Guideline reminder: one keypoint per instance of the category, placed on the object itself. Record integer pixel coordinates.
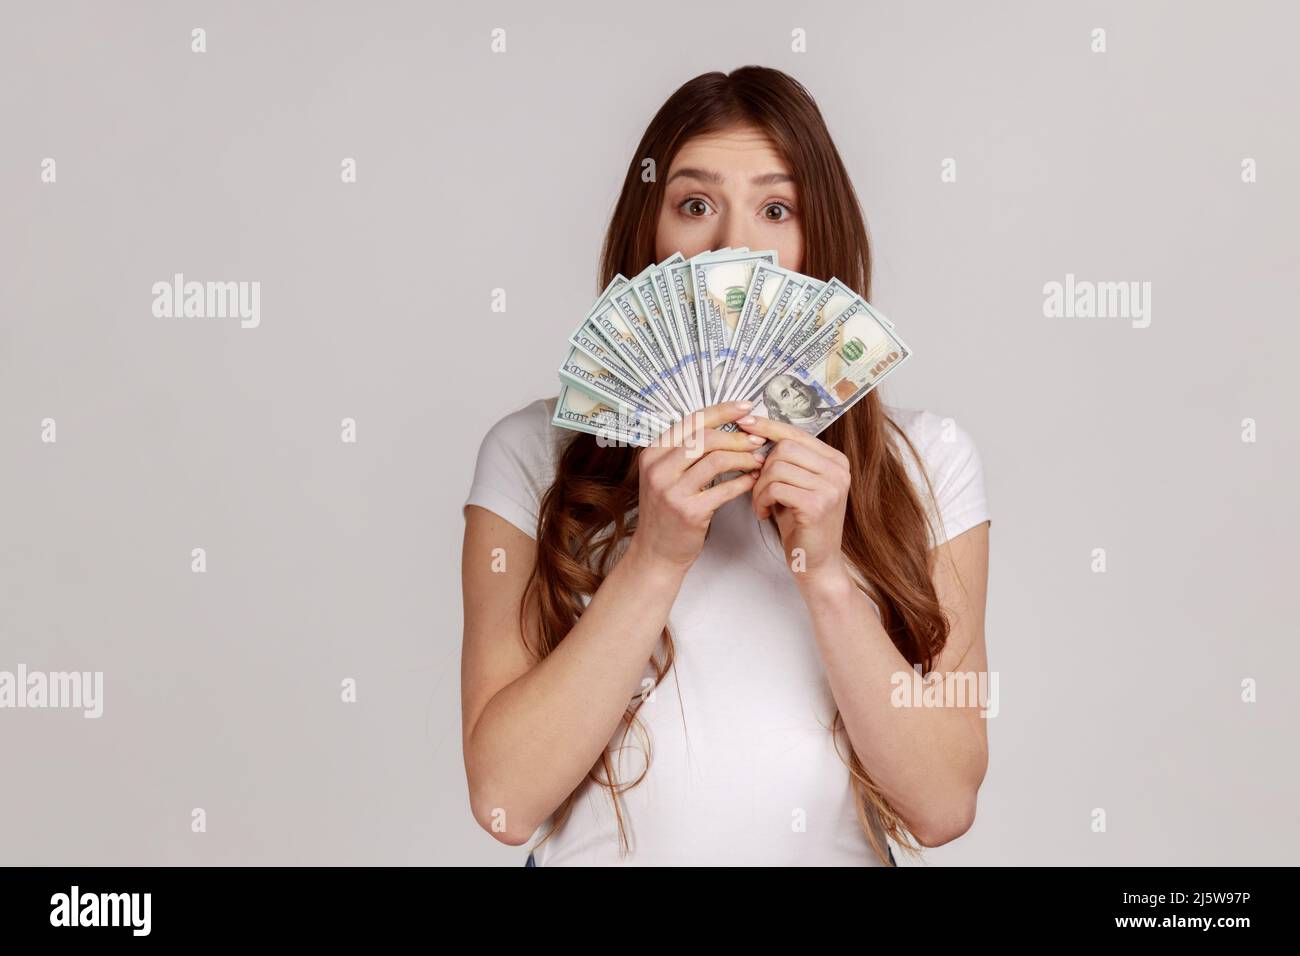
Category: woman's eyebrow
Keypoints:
(715, 178)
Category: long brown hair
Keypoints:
(589, 510)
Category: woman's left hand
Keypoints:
(805, 483)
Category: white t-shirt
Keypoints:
(753, 777)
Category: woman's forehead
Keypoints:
(744, 149)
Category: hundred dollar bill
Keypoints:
(681, 300)
(719, 287)
(631, 309)
(598, 350)
(830, 300)
(581, 411)
(769, 352)
(656, 301)
(608, 323)
(589, 340)
(751, 361)
(594, 378)
(769, 293)
(851, 355)
(616, 283)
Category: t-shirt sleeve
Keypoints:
(961, 493)
(515, 466)
(956, 473)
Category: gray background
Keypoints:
(477, 171)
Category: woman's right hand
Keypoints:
(675, 507)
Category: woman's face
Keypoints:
(730, 189)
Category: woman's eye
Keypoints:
(695, 207)
(776, 212)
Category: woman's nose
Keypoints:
(734, 233)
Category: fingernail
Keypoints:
(756, 439)
(747, 420)
(758, 456)
(744, 406)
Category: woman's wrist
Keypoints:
(652, 569)
(830, 583)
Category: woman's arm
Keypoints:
(531, 733)
(533, 730)
(928, 761)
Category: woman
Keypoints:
(785, 603)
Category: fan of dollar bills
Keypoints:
(727, 325)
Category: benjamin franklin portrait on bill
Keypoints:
(790, 400)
